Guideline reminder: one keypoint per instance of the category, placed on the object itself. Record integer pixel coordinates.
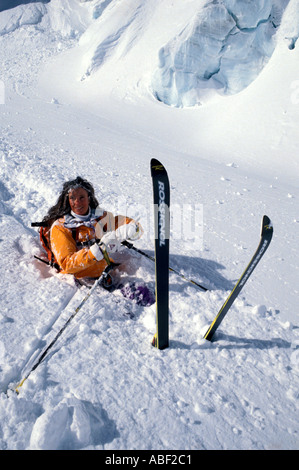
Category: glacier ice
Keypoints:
(249, 13)
(225, 47)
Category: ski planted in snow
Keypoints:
(161, 194)
(266, 236)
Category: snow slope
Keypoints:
(79, 100)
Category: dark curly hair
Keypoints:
(62, 206)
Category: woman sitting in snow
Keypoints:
(82, 233)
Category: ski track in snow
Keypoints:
(103, 386)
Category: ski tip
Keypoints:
(155, 162)
(156, 167)
(267, 226)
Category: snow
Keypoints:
(78, 99)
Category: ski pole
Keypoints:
(108, 268)
(132, 247)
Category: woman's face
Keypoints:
(79, 201)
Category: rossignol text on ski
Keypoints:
(162, 212)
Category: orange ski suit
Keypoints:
(71, 241)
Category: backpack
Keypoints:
(44, 236)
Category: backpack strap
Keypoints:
(44, 235)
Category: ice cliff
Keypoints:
(225, 46)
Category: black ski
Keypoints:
(162, 231)
(266, 236)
